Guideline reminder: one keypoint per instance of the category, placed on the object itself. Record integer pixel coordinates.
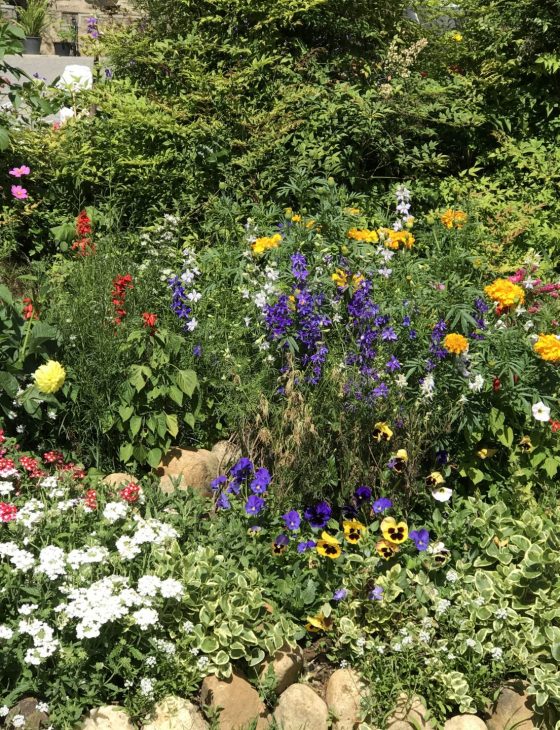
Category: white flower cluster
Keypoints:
(44, 643)
(31, 513)
(6, 488)
(403, 207)
(115, 511)
(148, 531)
(22, 560)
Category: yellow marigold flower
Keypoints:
(310, 224)
(382, 432)
(453, 218)
(363, 234)
(393, 531)
(435, 479)
(352, 211)
(353, 531)
(318, 623)
(505, 293)
(548, 347)
(339, 278)
(296, 219)
(265, 242)
(386, 549)
(328, 546)
(458, 37)
(396, 239)
(456, 344)
(49, 377)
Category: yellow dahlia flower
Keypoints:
(548, 347)
(505, 292)
(455, 343)
(49, 377)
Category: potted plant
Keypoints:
(66, 45)
(33, 18)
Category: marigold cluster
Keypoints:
(121, 285)
(396, 239)
(455, 343)
(505, 293)
(266, 242)
(364, 235)
(548, 348)
(453, 218)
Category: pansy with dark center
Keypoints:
(353, 531)
(306, 545)
(362, 494)
(319, 514)
(280, 544)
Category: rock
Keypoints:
(27, 708)
(286, 664)
(513, 710)
(343, 695)
(119, 479)
(194, 468)
(299, 707)
(109, 717)
(465, 722)
(239, 702)
(226, 453)
(409, 711)
(175, 713)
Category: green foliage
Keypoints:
(33, 17)
(24, 344)
(153, 399)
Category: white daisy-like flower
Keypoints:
(541, 412)
(442, 493)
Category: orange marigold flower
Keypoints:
(363, 234)
(453, 218)
(548, 348)
(505, 293)
(456, 344)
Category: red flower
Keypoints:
(53, 457)
(554, 426)
(150, 321)
(120, 287)
(8, 512)
(28, 309)
(83, 245)
(130, 493)
(496, 384)
(90, 499)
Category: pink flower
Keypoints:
(19, 193)
(19, 171)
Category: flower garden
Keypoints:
(279, 350)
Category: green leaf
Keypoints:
(6, 294)
(187, 381)
(555, 651)
(8, 383)
(172, 424)
(135, 425)
(4, 138)
(136, 378)
(550, 466)
(125, 452)
(154, 457)
(209, 645)
(175, 394)
(220, 658)
(189, 419)
(125, 412)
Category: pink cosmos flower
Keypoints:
(19, 193)
(19, 171)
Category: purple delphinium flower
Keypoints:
(218, 481)
(393, 364)
(299, 267)
(340, 594)
(362, 494)
(380, 391)
(261, 481)
(254, 505)
(406, 321)
(389, 335)
(412, 334)
(376, 594)
(319, 514)
(278, 317)
(421, 538)
(223, 502)
(306, 545)
(197, 350)
(381, 504)
(292, 519)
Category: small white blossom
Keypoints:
(26, 609)
(4, 710)
(541, 412)
(442, 606)
(501, 614)
(451, 576)
(114, 511)
(470, 643)
(145, 617)
(5, 632)
(147, 686)
(496, 653)
(18, 721)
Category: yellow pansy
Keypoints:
(353, 530)
(382, 432)
(386, 549)
(394, 531)
(328, 546)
